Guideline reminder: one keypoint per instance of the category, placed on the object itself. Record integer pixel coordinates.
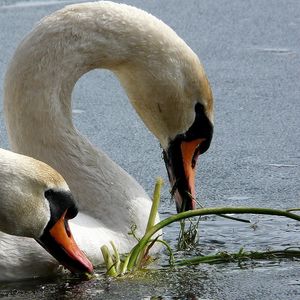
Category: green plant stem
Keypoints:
(169, 249)
(155, 203)
(293, 209)
(241, 256)
(117, 257)
(201, 212)
(124, 267)
(152, 215)
(111, 270)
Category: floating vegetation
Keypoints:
(188, 237)
(242, 255)
(139, 256)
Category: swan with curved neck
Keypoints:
(165, 83)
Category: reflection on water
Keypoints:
(220, 281)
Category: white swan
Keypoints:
(165, 83)
(36, 203)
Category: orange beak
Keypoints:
(59, 242)
(180, 159)
(189, 157)
(181, 156)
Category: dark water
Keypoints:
(251, 53)
(275, 278)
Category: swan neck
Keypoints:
(152, 63)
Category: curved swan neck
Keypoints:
(160, 73)
(151, 61)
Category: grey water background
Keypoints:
(251, 54)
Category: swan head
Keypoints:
(173, 97)
(36, 202)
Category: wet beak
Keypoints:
(180, 159)
(59, 242)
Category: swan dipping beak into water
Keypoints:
(162, 76)
(165, 83)
(36, 202)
